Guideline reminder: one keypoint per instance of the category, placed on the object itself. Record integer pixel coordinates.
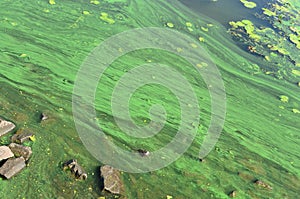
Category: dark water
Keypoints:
(224, 11)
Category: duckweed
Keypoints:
(95, 2)
(188, 24)
(284, 98)
(295, 110)
(104, 17)
(86, 12)
(204, 29)
(201, 39)
(52, 2)
(170, 25)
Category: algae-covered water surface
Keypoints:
(46, 45)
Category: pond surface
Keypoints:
(43, 46)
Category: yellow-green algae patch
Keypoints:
(105, 17)
(284, 98)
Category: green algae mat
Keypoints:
(44, 44)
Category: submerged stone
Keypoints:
(232, 194)
(5, 153)
(5, 127)
(263, 184)
(112, 179)
(143, 152)
(20, 150)
(43, 117)
(21, 137)
(76, 169)
(12, 166)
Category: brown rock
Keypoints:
(12, 166)
(21, 136)
(5, 127)
(5, 153)
(112, 179)
(263, 184)
(20, 150)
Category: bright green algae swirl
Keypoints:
(42, 47)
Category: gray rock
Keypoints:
(112, 179)
(232, 194)
(143, 152)
(76, 169)
(5, 153)
(21, 137)
(12, 166)
(20, 150)
(5, 127)
(43, 117)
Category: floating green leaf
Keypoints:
(283, 51)
(249, 28)
(296, 72)
(247, 22)
(268, 12)
(254, 36)
(294, 38)
(273, 48)
(248, 4)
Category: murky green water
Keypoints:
(42, 48)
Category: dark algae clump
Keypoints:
(44, 43)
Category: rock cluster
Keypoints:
(13, 157)
(76, 169)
